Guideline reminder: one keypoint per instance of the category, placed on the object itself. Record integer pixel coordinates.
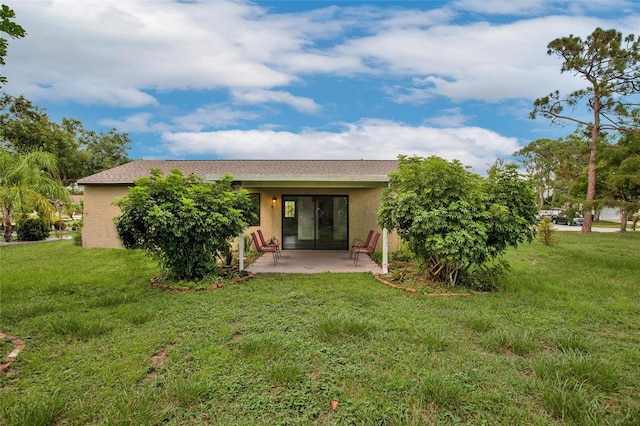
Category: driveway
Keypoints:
(593, 228)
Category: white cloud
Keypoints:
(474, 61)
(133, 123)
(260, 96)
(542, 7)
(205, 117)
(210, 116)
(367, 139)
(88, 90)
(142, 45)
(228, 62)
(503, 7)
(451, 117)
(118, 52)
(580, 7)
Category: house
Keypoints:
(306, 204)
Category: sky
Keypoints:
(222, 79)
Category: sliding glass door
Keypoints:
(315, 222)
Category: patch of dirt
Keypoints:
(226, 278)
(407, 274)
(160, 358)
(408, 277)
(16, 345)
(527, 374)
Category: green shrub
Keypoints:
(546, 231)
(32, 230)
(183, 222)
(484, 277)
(247, 243)
(403, 254)
(76, 227)
(77, 238)
(454, 220)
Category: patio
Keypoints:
(313, 261)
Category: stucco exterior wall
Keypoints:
(270, 222)
(98, 230)
(363, 209)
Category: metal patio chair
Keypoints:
(265, 249)
(358, 243)
(368, 250)
(273, 242)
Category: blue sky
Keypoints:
(304, 79)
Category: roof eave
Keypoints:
(306, 181)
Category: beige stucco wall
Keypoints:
(98, 229)
(99, 212)
(363, 209)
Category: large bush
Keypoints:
(32, 229)
(456, 221)
(183, 222)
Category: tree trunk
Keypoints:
(623, 221)
(591, 182)
(591, 189)
(8, 230)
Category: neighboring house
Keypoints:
(306, 204)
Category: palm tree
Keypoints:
(28, 182)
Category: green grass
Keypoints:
(559, 343)
(612, 224)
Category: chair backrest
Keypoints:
(368, 240)
(264, 242)
(255, 242)
(373, 245)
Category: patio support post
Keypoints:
(385, 251)
(241, 251)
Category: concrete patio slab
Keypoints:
(313, 262)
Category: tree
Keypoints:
(455, 221)
(555, 166)
(620, 170)
(611, 67)
(106, 150)
(24, 127)
(183, 222)
(93, 151)
(10, 28)
(28, 182)
(540, 162)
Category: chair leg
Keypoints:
(355, 257)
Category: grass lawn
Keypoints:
(558, 344)
(611, 224)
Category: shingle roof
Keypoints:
(352, 170)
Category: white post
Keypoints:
(241, 251)
(240, 244)
(385, 251)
